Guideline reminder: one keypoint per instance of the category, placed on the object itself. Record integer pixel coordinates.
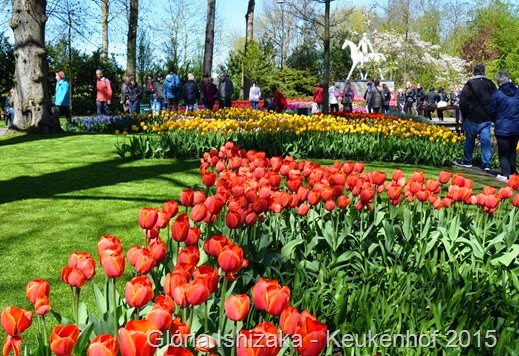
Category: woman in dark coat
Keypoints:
(504, 111)
(191, 93)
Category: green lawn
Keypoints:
(61, 194)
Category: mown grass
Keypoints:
(61, 194)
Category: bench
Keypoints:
(145, 108)
(455, 108)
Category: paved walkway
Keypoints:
(3, 130)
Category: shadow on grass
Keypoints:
(16, 138)
(93, 175)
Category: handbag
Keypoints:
(315, 108)
(441, 104)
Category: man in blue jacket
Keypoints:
(62, 97)
(172, 86)
(474, 106)
(504, 111)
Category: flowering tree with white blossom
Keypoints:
(419, 61)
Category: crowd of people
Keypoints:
(480, 103)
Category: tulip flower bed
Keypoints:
(373, 137)
(358, 253)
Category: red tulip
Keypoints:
(179, 331)
(158, 251)
(148, 218)
(192, 237)
(109, 242)
(139, 292)
(73, 276)
(289, 320)
(398, 177)
(209, 275)
(103, 345)
(444, 177)
(138, 338)
(343, 201)
(63, 339)
(198, 197)
(209, 178)
(205, 343)
(232, 220)
(303, 209)
(170, 208)
(313, 335)
(162, 220)
(180, 228)
(160, 316)
(231, 259)
(358, 167)
(199, 212)
(237, 307)
(189, 255)
(269, 296)
(187, 197)
(263, 340)
(505, 192)
(515, 201)
(433, 186)
(458, 179)
(172, 281)
(113, 263)
(379, 177)
(197, 292)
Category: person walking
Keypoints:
(209, 92)
(172, 86)
(377, 97)
(124, 98)
(62, 96)
(430, 101)
(474, 106)
(504, 111)
(134, 94)
(254, 96)
(333, 97)
(158, 95)
(191, 94)
(442, 100)
(225, 91)
(347, 97)
(104, 94)
(279, 100)
(318, 97)
(9, 108)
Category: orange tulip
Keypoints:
(379, 177)
(172, 281)
(199, 212)
(15, 320)
(113, 263)
(73, 276)
(84, 262)
(458, 179)
(192, 237)
(270, 297)
(513, 181)
(398, 177)
(196, 292)
(139, 292)
(161, 313)
(189, 255)
(109, 242)
(288, 320)
(313, 334)
(237, 307)
(138, 338)
(177, 351)
(103, 345)
(505, 192)
(141, 259)
(232, 220)
(63, 339)
(263, 340)
(214, 204)
(303, 209)
(162, 220)
(37, 288)
(209, 275)
(205, 343)
(358, 167)
(148, 218)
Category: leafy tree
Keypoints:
(6, 64)
(306, 57)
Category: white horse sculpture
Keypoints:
(360, 59)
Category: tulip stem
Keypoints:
(206, 316)
(222, 304)
(45, 337)
(235, 336)
(114, 307)
(191, 314)
(136, 315)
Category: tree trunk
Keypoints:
(32, 102)
(209, 37)
(131, 52)
(326, 69)
(249, 19)
(104, 26)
